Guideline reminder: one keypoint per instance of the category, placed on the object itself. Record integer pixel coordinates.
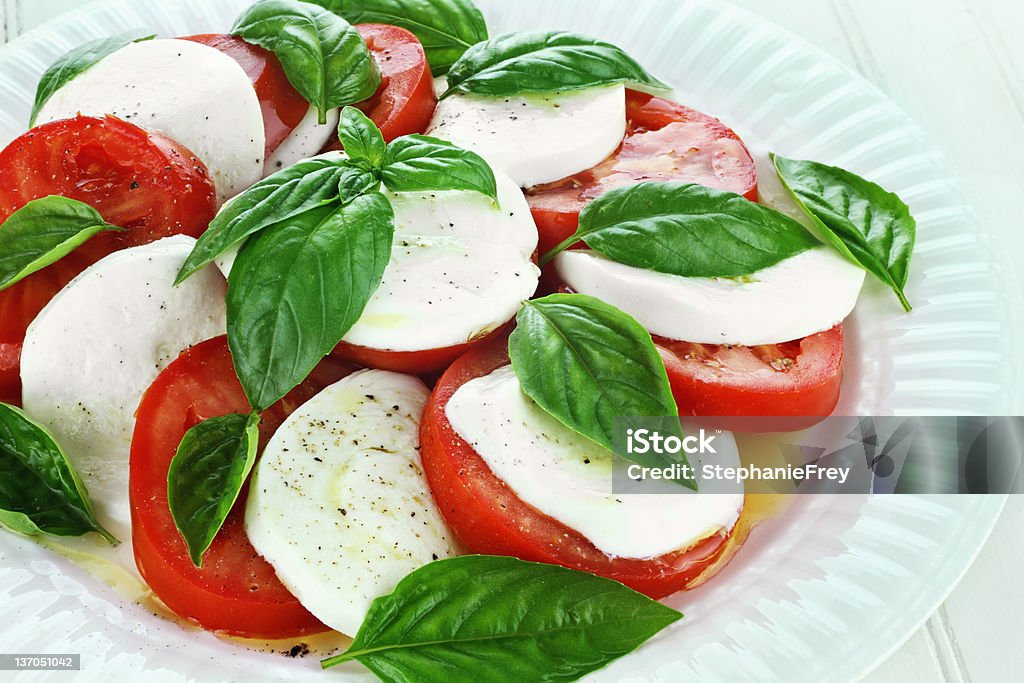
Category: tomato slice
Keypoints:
(405, 100)
(236, 591)
(795, 383)
(487, 516)
(282, 105)
(136, 179)
(665, 141)
(429, 362)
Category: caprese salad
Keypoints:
(334, 317)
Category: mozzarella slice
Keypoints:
(460, 268)
(569, 478)
(100, 342)
(308, 138)
(192, 93)
(339, 504)
(799, 296)
(536, 138)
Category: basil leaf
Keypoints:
(298, 287)
(419, 163)
(75, 62)
(586, 363)
(324, 58)
(39, 490)
(488, 618)
(42, 232)
(206, 475)
(361, 137)
(289, 192)
(544, 62)
(356, 181)
(869, 225)
(446, 28)
(688, 230)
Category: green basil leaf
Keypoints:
(289, 192)
(42, 232)
(488, 618)
(77, 61)
(298, 287)
(356, 181)
(206, 475)
(415, 163)
(39, 489)
(544, 62)
(587, 363)
(688, 230)
(361, 137)
(324, 58)
(446, 28)
(869, 225)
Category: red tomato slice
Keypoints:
(19, 305)
(282, 105)
(665, 141)
(405, 100)
(138, 180)
(427, 362)
(797, 381)
(487, 517)
(236, 591)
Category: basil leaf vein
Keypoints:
(206, 475)
(44, 231)
(75, 62)
(446, 28)
(481, 617)
(323, 56)
(587, 363)
(421, 163)
(306, 185)
(39, 489)
(688, 230)
(554, 61)
(297, 287)
(868, 224)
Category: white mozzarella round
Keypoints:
(339, 504)
(799, 296)
(192, 93)
(308, 138)
(460, 268)
(569, 478)
(93, 351)
(536, 138)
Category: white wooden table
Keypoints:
(956, 66)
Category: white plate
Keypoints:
(822, 593)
